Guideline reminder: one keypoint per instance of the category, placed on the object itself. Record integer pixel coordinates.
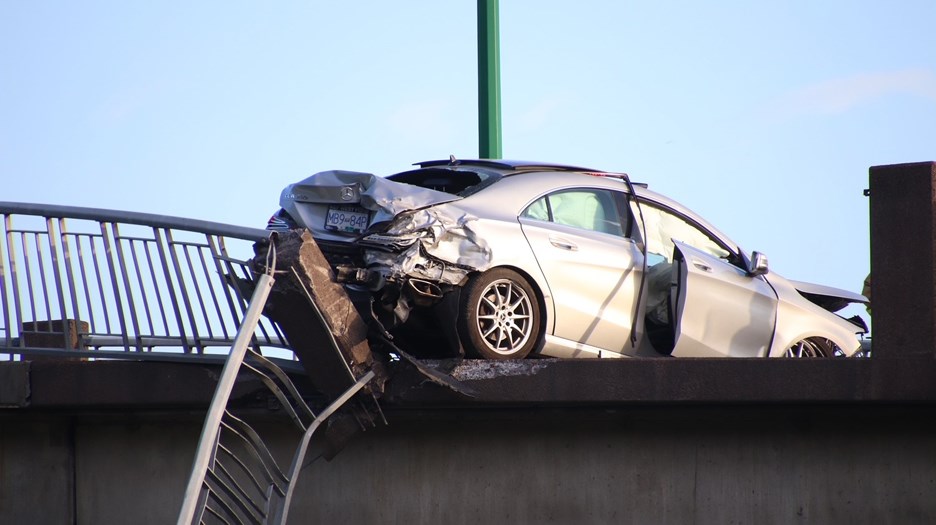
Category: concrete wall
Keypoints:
(635, 465)
(37, 468)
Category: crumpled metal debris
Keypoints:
(426, 239)
(372, 192)
(444, 246)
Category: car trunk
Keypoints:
(342, 205)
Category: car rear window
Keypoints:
(457, 182)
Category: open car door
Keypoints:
(720, 309)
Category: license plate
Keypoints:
(350, 219)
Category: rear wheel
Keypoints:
(499, 316)
(814, 347)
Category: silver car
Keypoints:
(503, 259)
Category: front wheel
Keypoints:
(499, 316)
(814, 347)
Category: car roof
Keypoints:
(505, 164)
(507, 168)
(598, 179)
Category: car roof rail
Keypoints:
(522, 166)
(612, 175)
(504, 164)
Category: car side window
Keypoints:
(539, 210)
(663, 226)
(587, 209)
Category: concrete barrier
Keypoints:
(677, 464)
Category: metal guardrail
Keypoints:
(103, 283)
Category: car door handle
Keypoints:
(702, 266)
(562, 243)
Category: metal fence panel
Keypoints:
(92, 282)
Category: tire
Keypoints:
(499, 316)
(813, 347)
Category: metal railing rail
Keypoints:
(104, 283)
(234, 477)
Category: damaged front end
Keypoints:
(833, 299)
(416, 251)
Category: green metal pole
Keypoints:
(489, 110)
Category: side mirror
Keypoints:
(758, 264)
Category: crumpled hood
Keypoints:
(828, 297)
(384, 197)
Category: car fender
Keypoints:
(799, 319)
(509, 248)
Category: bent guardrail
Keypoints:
(104, 283)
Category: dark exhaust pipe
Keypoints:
(424, 293)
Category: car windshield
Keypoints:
(457, 182)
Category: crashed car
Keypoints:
(502, 259)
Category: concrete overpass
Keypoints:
(631, 441)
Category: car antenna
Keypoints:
(643, 250)
(453, 161)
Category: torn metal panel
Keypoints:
(414, 263)
(828, 297)
(385, 197)
(443, 231)
(424, 238)
(434, 374)
(439, 243)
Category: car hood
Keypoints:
(384, 197)
(828, 297)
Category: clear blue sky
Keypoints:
(762, 116)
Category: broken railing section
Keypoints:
(234, 476)
(320, 322)
(311, 308)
